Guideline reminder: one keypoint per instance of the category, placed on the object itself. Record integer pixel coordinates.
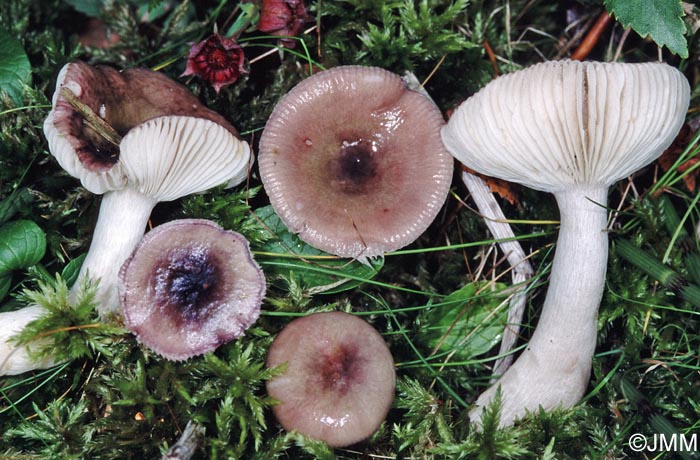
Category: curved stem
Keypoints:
(120, 226)
(522, 270)
(553, 370)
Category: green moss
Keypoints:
(113, 399)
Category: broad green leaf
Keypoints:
(14, 66)
(311, 268)
(659, 19)
(22, 244)
(466, 322)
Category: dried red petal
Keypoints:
(282, 17)
(217, 60)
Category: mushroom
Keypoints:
(573, 129)
(339, 379)
(172, 147)
(190, 286)
(352, 161)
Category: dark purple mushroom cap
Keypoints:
(190, 286)
(353, 162)
(122, 100)
(339, 382)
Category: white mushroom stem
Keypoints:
(553, 370)
(522, 269)
(120, 226)
(15, 360)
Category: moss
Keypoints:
(114, 399)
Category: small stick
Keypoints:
(94, 121)
(492, 58)
(592, 37)
(522, 269)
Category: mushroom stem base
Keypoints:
(553, 370)
(16, 359)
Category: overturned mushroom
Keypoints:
(190, 286)
(339, 381)
(572, 129)
(172, 146)
(352, 161)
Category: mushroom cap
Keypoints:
(353, 162)
(568, 123)
(173, 156)
(78, 149)
(123, 100)
(190, 286)
(339, 381)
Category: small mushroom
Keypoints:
(339, 381)
(172, 146)
(190, 286)
(573, 129)
(352, 161)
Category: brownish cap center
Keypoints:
(354, 166)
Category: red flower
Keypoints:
(282, 17)
(217, 60)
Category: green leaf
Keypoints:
(71, 270)
(14, 66)
(312, 268)
(22, 244)
(659, 19)
(466, 322)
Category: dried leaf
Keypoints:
(505, 190)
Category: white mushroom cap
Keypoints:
(172, 156)
(561, 123)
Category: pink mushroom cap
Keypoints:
(190, 286)
(339, 381)
(353, 162)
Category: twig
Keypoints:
(592, 37)
(522, 269)
(492, 57)
(94, 121)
